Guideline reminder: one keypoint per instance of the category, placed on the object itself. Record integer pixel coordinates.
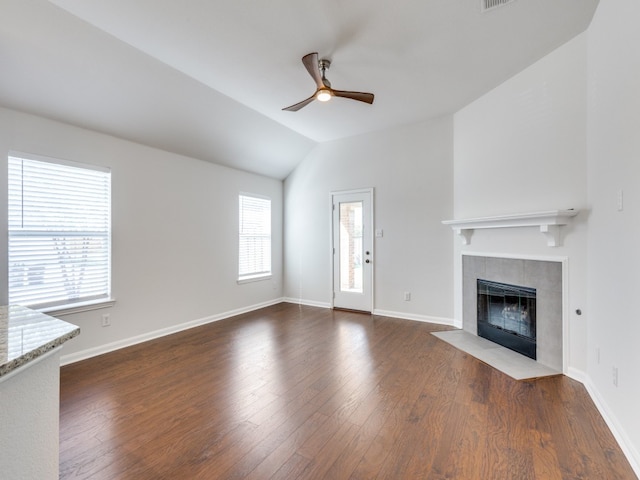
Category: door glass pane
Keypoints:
(351, 247)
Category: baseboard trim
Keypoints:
(128, 342)
(418, 318)
(632, 454)
(577, 375)
(382, 313)
(308, 303)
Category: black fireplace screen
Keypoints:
(507, 316)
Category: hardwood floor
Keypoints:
(292, 392)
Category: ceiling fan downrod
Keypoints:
(324, 65)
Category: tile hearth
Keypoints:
(507, 361)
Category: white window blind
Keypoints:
(59, 233)
(255, 237)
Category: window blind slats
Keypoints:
(59, 233)
(254, 236)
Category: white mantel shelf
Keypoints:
(548, 222)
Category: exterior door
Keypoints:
(352, 250)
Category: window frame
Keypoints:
(254, 276)
(70, 305)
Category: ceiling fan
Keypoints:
(317, 69)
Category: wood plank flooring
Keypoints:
(291, 392)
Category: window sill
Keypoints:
(63, 310)
(254, 278)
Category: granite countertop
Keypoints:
(26, 335)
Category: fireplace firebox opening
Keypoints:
(507, 316)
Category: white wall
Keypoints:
(522, 148)
(410, 169)
(561, 134)
(174, 232)
(614, 236)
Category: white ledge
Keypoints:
(548, 222)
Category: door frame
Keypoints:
(366, 191)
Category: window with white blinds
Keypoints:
(59, 233)
(254, 237)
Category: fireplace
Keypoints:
(543, 275)
(507, 315)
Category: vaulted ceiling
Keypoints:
(209, 78)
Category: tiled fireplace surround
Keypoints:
(545, 276)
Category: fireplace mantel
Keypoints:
(548, 222)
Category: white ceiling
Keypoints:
(208, 78)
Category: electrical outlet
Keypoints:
(620, 200)
(614, 372)
(106, 320)
(407, 296)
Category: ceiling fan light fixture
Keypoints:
(323, 95)
(317, 69)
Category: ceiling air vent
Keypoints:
(487, 5)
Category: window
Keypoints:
(59, 233)
(254, 237)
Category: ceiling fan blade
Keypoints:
(360, 96)
(310, 62)
(298, 106)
